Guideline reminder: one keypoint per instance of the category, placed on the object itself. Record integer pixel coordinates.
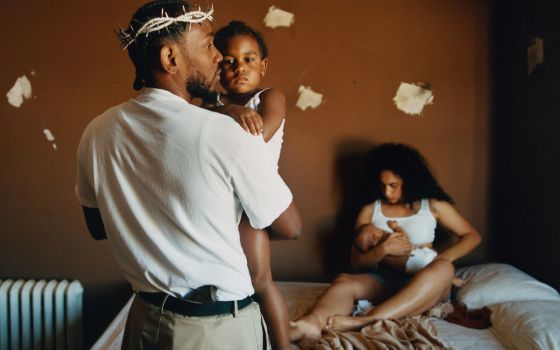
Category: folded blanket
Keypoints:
(415, 332)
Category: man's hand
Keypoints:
(249, 120)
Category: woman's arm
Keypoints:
(448, 217)
(272, 109)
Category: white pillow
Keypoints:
(489, 284)
(532, 324)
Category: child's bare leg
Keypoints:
(338, 299)
(425, 289)
(256, 245)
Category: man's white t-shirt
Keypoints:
(171, 181)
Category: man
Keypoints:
(166, 182)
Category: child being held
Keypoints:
(260, 112)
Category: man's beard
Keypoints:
(197, 87)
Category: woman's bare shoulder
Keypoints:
(438, 206)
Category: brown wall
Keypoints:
(356, 53)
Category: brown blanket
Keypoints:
(415, 332)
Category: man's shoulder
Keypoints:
(225, 128)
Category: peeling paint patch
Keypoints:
(50, 137)
(411, 98)
(308, 98)
(276, 17)
(535, 54)
(20, 90)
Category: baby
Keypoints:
(419, 257)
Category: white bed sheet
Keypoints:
(299, 297)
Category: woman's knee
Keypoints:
(344, 279)
(442, 268)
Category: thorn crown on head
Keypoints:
(155, 24)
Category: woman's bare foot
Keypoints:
(306, 326)
(458, 282)
(348, 323)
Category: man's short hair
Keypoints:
(144, 50)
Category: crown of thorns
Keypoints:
(130, 35)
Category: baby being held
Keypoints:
(419, 257)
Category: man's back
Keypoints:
(170, 179)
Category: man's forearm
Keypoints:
(94, 223)
(287, 226)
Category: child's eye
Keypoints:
(250, 59)
(228, 61)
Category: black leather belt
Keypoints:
(189, 308)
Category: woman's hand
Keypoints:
(397, 244)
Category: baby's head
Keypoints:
(245, 57)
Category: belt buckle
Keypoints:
(202, 295)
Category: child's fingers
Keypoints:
(252, 126)
(244, 125)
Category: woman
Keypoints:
(395, 232)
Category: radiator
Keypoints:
(40, 314)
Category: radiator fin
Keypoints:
(40, 314)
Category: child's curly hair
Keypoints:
(235, 28)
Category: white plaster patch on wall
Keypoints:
(308, 98)
(21, 90)
(535, 54)
(50, 137)
(411, 98)
(276, 17)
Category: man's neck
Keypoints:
(173, 86)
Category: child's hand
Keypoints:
(249, 120)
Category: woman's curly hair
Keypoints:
(405, 161)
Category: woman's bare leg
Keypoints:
(256, 245)
(425, 289)
(338, 299)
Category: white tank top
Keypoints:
(420, 227)
(275, 142)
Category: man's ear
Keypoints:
(264, 64)
(168, 55)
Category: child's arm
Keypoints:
(249, 120)
(272, 110)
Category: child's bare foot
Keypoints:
(305, 327)
(348, 323)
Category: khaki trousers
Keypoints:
(147, 327)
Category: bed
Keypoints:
(525, 315)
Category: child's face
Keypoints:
(242, 66)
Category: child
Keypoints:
(243, 66)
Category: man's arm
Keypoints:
(287, 225)
(94, 223)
